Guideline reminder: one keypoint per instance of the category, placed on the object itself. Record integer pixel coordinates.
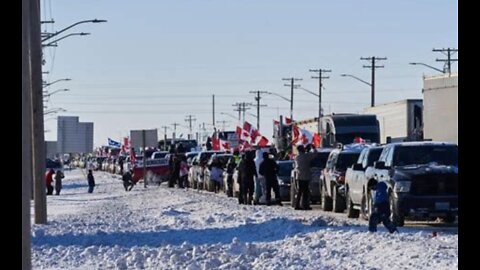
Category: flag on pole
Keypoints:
(288, 121)
(113, 143)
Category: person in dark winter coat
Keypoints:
(381, 209)
(230, 171)
(127, 181)
(91, 181)
(248, 171)
(269, 170)
(58, 182)
(48, 181)
(304, 176)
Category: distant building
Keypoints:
(51, 148)
(74, 136)
(440, 107)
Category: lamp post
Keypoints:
(56, 91)
(54, 110)
(77, 23)
(280, 96)
(415, 63)
(53, 43)
(367, 83)
(60, 80)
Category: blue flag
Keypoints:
(114, 143)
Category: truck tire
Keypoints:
(326, 200)
(338, 206)
(398, 219)
(351, 212)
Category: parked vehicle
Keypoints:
(159, 154)
(316, 167)
(422, 180)
(358, 178)
(223, 159)
(333, 176)
(285, 168)
(195, 173)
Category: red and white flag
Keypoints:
(275, 122)
(224, 145)
(242, 134)
(262, 141)
(215, 144)
(317, 140)
(288, 121)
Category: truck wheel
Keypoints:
(326, 200)
(351, 212)
(398, 219)
(337, 201)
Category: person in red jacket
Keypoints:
(49, 181)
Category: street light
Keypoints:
(231, 115)
(280, 96)
(53, 43)
(56, 91)
(367, 83)
(65, 29)
(439, 70)
(54, 110)
(48, 84)
(348, 75)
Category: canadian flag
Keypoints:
(224, 145)
(262, 141)
(276, 123)
(288, 121)
(215, 144)
(301, 136)
(242, 134)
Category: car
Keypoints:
(223, 159)
(285, 168)
(195, 173)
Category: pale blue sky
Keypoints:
(155, 61)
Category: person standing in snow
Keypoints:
(248, 172)
(216, 172)
(230, 171)
(304, 175)
(128, 180)
(183, 174)
(259, 179)
(269, 170)
(91, 181)
(58, 182)
(49, 180)
(381, 210)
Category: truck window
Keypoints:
(425, 154)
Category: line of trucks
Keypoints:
(422, 176)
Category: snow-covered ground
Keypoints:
(165, 228)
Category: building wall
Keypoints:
(440, 111)
(51, 148)
(74, 136)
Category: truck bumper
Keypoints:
(425, 206)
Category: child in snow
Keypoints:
(91, 181)
(381, 210)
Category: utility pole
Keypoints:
(293, 86)
(27, 178)
(189, 120)
(373, 58)
(242, 108)
(223, 122)
(319, 71)
(213, 109)
(174, 131)
(448, 62)
(257, 98)
(38, 138)
(165, 137)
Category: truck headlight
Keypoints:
(402, 186)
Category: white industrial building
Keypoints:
(440, 107)
(74, 136)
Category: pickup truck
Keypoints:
(358, 178)
(332, 182)
(422, 180)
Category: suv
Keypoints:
(358, 178)
(332, 182)
(422, 179)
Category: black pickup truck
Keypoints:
(422, 178)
